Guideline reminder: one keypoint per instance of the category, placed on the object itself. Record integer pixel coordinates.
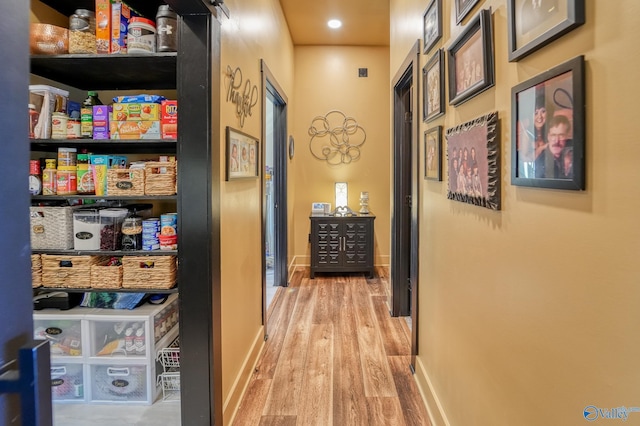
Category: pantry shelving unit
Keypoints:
(195, 73)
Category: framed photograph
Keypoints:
(433, 153)
(548, 128)
(242, 155)
(473, 156)
(470, 60)
(432, 22)
(463, 7)
(535, 23)
(433, 87)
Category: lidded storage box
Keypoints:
(51, 228)
(86, 229)
(111, 228)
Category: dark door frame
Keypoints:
(404, 223)
(270, 87)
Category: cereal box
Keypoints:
(103, 26)
(169, 119)
(136, 112)
(120, 15)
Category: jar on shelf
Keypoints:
(49, 177)
(132, 233)
(141, 36)
(82, 32)
(35, 182)
(34, 116)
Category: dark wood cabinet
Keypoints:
(342, 244)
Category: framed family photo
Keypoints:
(241, 155)
(548, 128)
(433, 153)
(463, 7)
(471, 59)
(433, 87)
(532, 24)
(432, 25)
(473, 155)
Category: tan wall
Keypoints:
(256, 30)
(326, 79)
(529, 315)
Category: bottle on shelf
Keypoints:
(86, 114)
(34, 116)
(35, 182)
(49, 177)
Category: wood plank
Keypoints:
(323, 312)
(349, 403)
(278, 325)
(287, 379)
(276, 421)
(395, 339)
(413, 408)
(385, 411)
(378, 381)
(250, 409)
(317, 399)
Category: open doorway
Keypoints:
(274, 190)
(404, 224)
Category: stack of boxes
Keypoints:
(112, 21)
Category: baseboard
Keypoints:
(437, 416)
(241, 383)
(302, 261)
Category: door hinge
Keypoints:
(408, 200)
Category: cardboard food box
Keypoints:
(101, 121)
(120, 15)
(169, 119)
(135, 129)
(103, 26)
(136, 112)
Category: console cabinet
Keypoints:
(342, 244)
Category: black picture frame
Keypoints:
(474, 178)
(240, 164)
(463, 7)
(431, 25)
(533, 25)
(433, 87)
(433, 153)
(550, 153)
(471, 60)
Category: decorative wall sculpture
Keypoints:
(336, 138)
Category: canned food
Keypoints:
(67, 157)
(59, 125)
(73, 129)
(66, 180)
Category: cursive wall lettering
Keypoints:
(245, 97)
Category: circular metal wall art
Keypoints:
(336, 138)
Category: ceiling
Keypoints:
(364, 22)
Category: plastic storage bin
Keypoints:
(110, 228)
(123, 383)
(86, 229)
(47, 100)
(67, 382)
(64, 335)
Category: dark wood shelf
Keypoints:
(108, 146)
(72, 252)
(146, 8)
(109, 72)
(107, 290)
(103, 197)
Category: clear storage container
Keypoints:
(111, 228)
(86, 229)
(82, 32)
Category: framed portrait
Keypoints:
(535, 23)
(432, 23)
(433, 87)
(473, 156)
(548, 128)
(471, 59)
(433, 153)
(242, 155)
(463, 7)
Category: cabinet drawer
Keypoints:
(67, 382)
(118, 338)
(119, 383)
(64, 335)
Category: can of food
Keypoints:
(73, 129)
(141, 36)
(67, 157)
(149, 247)
(66, 180)
(59, 125)
(169, 224)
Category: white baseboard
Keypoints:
(437, 416)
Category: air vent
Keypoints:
(363, 72)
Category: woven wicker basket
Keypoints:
(51, 228)
(36, 271)
(125, 181)
(68, 271)
(107, 277)
(160, 178)
(151, 272)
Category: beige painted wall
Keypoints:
(256, 30)
(326, 79)
(529, 315)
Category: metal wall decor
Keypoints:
(336, 138)
(241, 93)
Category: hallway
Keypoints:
(334, 357)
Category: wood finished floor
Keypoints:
(334, 357)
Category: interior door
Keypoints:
(274, 179)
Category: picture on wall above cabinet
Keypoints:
(535, 23)
(242, 155)
(463, 7)
(470, 60)
(433, 153)
(432, 24)
(433, 87)
(548, 128)
(473, 155)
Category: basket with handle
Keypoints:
(106, 276)
(125, 181)
(68, 271)
(36, 271)
(149, 272)
(160, 178)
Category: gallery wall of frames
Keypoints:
(547, 117)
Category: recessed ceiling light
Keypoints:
(334, 23)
